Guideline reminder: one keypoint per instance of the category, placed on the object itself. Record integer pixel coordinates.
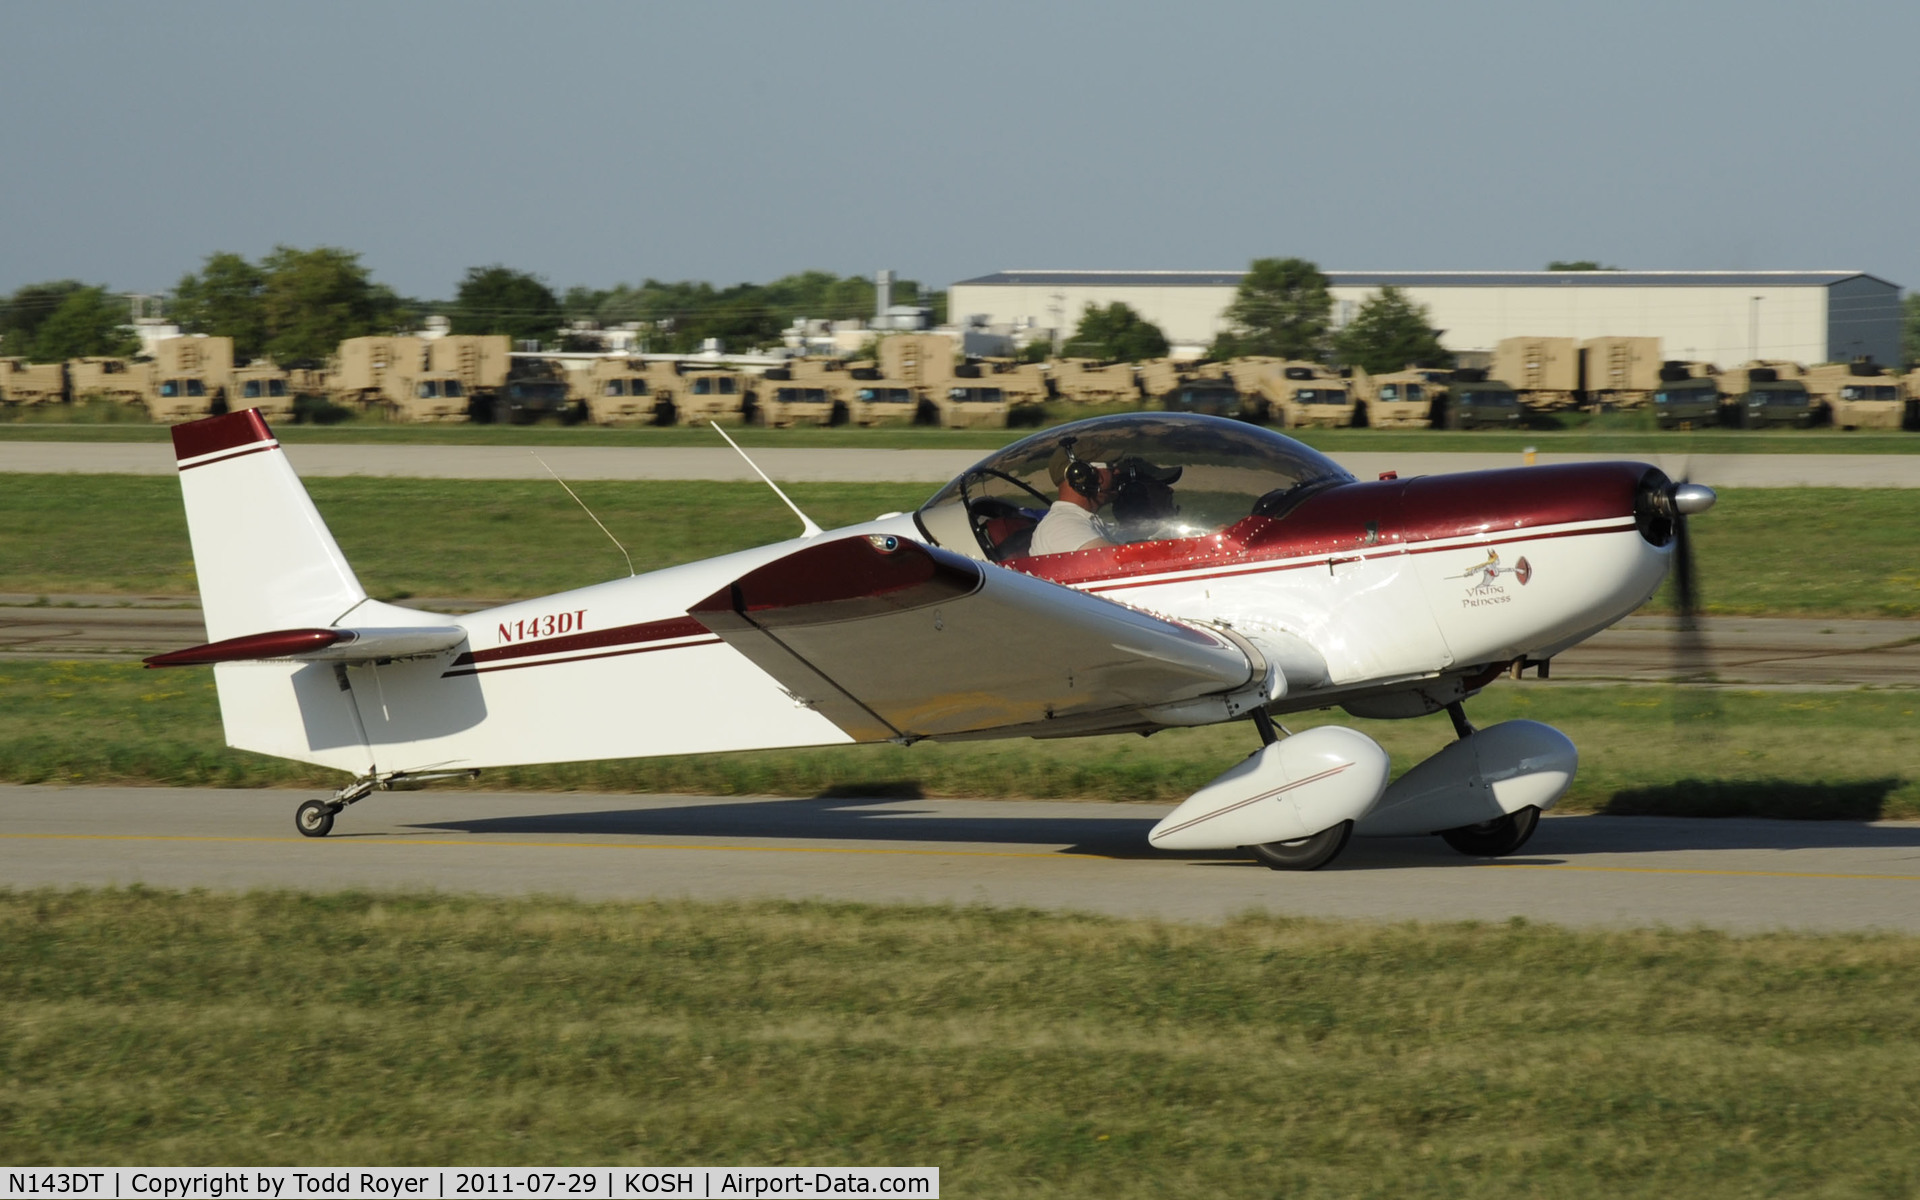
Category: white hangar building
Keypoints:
(1724, 317)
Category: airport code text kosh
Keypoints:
(450, 1183)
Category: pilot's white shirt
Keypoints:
(1066, 527)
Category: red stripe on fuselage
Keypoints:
(621, 635)
(1363, 520)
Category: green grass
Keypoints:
(1848, 754)
(1021, 1053)
(1788, 552)
(1629, 433)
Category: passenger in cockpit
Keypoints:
(1143, 507)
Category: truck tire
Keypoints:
(664, 413)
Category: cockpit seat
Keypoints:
(1006, 528)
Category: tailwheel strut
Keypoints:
(314, 818)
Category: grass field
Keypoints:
(1021, 1053)
(1628, 433)
(1848, 754)
(1790, 552)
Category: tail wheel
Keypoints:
(1307, 853)
(314, 818)
(1491, 839)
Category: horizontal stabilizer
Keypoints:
(317, 645)
(889, 638)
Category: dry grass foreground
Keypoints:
(1021, 1053)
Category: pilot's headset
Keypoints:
(1078, 474)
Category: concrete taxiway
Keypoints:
(1739, 875)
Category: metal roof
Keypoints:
(1435, 278)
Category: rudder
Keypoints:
(264, 558)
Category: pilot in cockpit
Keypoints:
(1073, 521)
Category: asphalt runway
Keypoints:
(1743, 651)
(1738, 875)
(923, 466)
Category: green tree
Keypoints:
(312, 300)
(22, 313)
(1389, 333)
(1580, 264)
(1115, 332)
(1283, 309)
(89, 321)
(226, 299)
(498, 299)
(1910, 330)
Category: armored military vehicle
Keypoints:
(22, 382)
(1090, 381)
(1543, 372)
(1474, 401)
(1401, 399)
(1688, 396)
(1202, 387)
(374, 372)
(805, 391)
(1766, 393)
(1620, 372)
(616, 390)
(115, 379)
(700, 391)
(262, 385)
(190, 378)
(1857, 395)
(535, 387)
(1294, 395)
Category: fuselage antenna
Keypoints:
(589, 512)
(807, 528)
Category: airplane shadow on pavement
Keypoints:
(900, 819)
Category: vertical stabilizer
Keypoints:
(263, 555)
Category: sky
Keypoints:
(599, 143)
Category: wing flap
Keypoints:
(317, 645)
(891, 638)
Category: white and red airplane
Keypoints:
(1252, 577)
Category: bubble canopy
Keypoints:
(1174, 475)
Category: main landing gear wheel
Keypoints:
(314, 818)
(1307, 853)
(1491, 839)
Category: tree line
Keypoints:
(295, 306)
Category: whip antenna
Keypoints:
(807, 528)
(589, 512)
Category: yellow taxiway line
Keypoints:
(1054, 855)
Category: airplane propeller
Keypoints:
(1676, 502)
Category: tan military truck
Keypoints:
(191, 377)
(618, 390)
(1857, 395)
(1765, 393)
(1294, 395)
(880, 398)
(22, 382)
(982, 392)
(1091, 381)
(1911, 383)
(1399, 399)
(480, 362)
(805, 391)
(262, 385)
(1543, 372)
(117, 379)
(373, 372)
(1620, 372)
(703, 392)
(1202, 387)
